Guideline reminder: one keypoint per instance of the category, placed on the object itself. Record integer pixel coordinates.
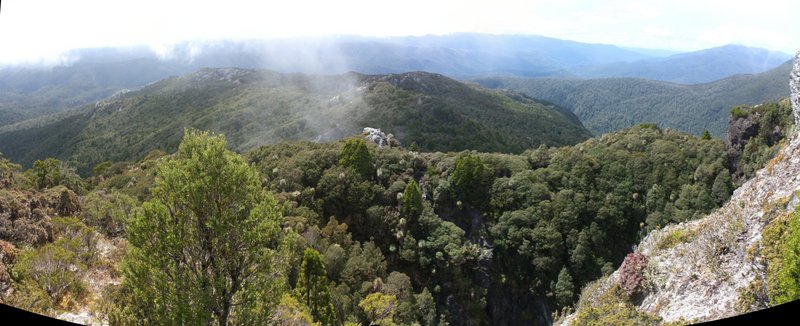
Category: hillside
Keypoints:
(740, 258)
(694, 67)
(253, 108)
(609, 104)
(29, 92)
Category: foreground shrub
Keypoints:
(632, 275)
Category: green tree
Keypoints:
(208, 248)
(52, 172)
(706, 135)
(722, 187)
(412, 200)
(46, 173)
(468, 178)
(380, 308)
(312, 287)
(564, 288)
(291, 312)
(356, 156)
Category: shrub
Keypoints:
(380, 308)
(612, 310)
(52, 269)
(785, 279)
(76, 238)
(109, 212)
(632, 275)
(740, 112)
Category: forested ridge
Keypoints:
(609, 104)
(256, 107)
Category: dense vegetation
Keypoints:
(499, 228)
(258, 107)
(427, 238)
(609, 104)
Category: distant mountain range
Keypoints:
(253, 108)
(693, 67)
(90, 75)
(609, 104)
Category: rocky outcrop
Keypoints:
(794, 86)
(740, 130)
(379, 137)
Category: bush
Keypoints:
(786, 277)
(632, 275)
(76, 238)
(380, 308)
(612, 310)
(52, 172)
(109, 211)
(740, 112)
(52, 269)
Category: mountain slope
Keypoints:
(724, 264)
(695, 67)
(610, 104)
(257, 107)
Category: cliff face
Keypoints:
(715, 267)
(794, 86)
(740, 130)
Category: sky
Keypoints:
(41, 30)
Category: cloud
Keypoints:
(31, 30)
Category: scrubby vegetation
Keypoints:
(611, 309)
(782, 250)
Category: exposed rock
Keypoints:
(229, 75)
(794, 86)
(379, 137)
(740, 130)
(84, 317)
(8, 255)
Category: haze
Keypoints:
(40, 31)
